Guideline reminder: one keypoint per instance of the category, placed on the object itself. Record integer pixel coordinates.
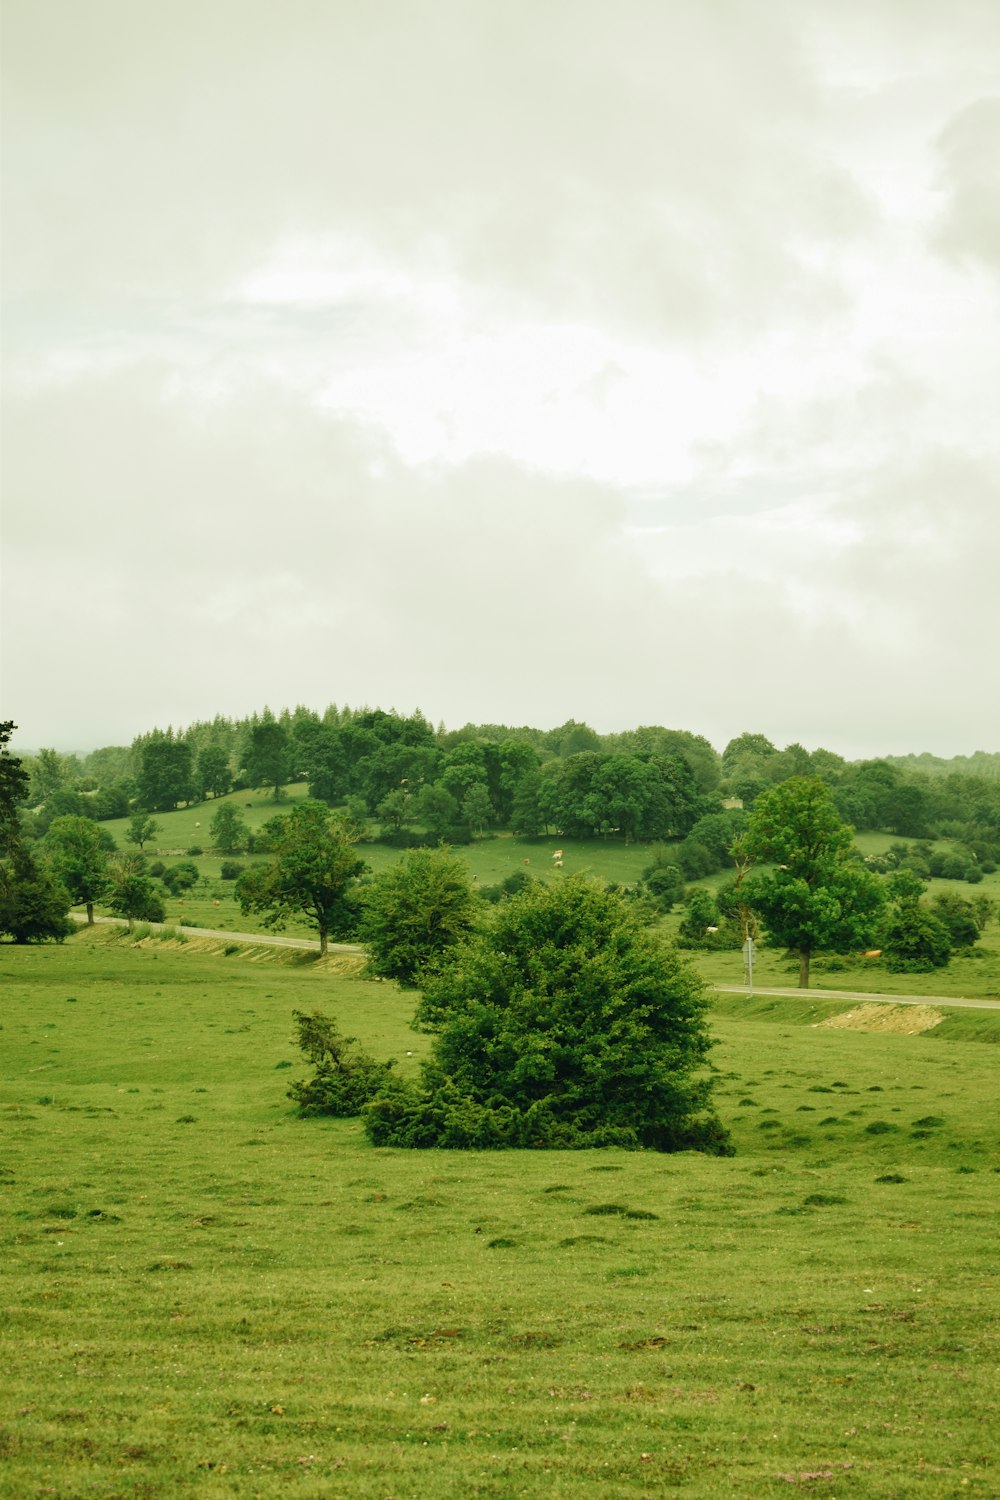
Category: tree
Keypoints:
(345, 1077)
(415, 911)
(312, 872)
(477, 809)
(33, 903)
(213, 773)
(267, 758)
(141, 828)
(164, 772)
(131, 893)
(816, 896)
(564, 1023)
(79, 860)
(915, 940)
(228, 829)
(14, 781)
(48, 775)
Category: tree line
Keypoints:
(410, 781)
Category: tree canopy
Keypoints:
(565, 1023)
(415, 911)
(313, 869)
(815, 896)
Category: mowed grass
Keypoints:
(204, 1295)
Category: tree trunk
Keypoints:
(803, 968)
(322, 942)
(90, 913)
(131, 923)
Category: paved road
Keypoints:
(862, 999)
(273, 939)
(312, 946)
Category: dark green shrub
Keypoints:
(195, 849)
(565, 1024)
(345, 1077)
(180, 877)
(231, 869)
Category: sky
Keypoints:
(513, 360)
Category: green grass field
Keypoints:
(206, 1296)
(212, 902)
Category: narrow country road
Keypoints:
(311, 945)
(270, 938)
(859, 997)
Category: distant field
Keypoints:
(206, 1296)
(212, 902)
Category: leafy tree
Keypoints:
(79, 860)
(141, 828)
(344, 1076)
(312, 872)
(131, 893)
(213, 773)
(959, 916)
(180, 877)
(111, 801)
(228, 829)
(665, 884)
(164, 772)
(415, 911)
(48, 775)
(396, 809)
(915, 940)
(477, 809)
(14, 782)
(267, 757)
(816, 896)
(437, 809)
(565, 1023)
(700, 921)
(33, 903)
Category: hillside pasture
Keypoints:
(207, 1296)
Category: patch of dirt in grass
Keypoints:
(908, 1019)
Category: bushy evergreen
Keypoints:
(566, 1023)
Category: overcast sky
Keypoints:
(627, 360)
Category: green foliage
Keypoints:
(180, 877)
(312, 872)
(816, 897)
(512, 885)
(164, 772)
(344, 1076)
(213, 773)
(131, 893)
(959, 917)
(228, 829)
(415, 911)
(230, 869)
(79, 859)
(915, 940)
(267, 756)
(33, 903)
(141, 828)
(566, 1023)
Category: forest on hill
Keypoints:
(416, 783)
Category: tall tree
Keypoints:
(164, 772)
(267, 757)
(816, 896)
(229, 829)
(312, 872)
(213, 773)
(79, 860)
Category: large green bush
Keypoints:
(566, 1023)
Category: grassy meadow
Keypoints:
(204, 1295)
(212, 903)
